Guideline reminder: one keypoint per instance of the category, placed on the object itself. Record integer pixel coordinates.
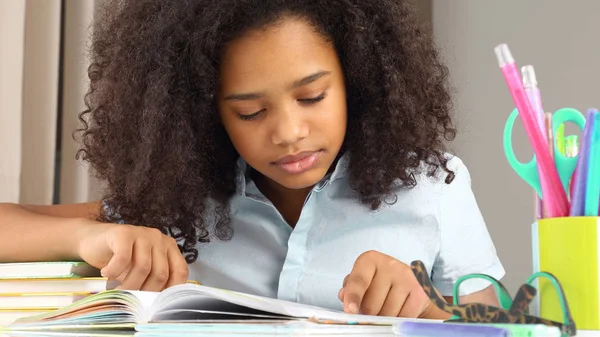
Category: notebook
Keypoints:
(87, 333)
(56, 285)
(58, 269)
(186, 303)
(264, 328)
(46, 301)
(8, 316)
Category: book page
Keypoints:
(199, 297)
(129, 306)
(202, 315)
(190, 305)
(146, 300)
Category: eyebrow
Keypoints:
(296, 84)
(309, 79)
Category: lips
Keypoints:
(295, 157)
(298, 163)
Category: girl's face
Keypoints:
(283, 103)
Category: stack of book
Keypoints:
(33, 288)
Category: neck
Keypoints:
(289, 202)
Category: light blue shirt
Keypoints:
(437, 223)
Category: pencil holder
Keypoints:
(568, 248)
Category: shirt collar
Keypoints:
(243, 178)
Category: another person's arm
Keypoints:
(43, 233)
(138, 257)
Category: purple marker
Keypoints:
(422, 329)
(579, 179)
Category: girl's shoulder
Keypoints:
(441, 182)
(432, 194)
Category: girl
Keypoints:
(285, 148)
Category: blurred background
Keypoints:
(43, 80)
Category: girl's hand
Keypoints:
(381, 285)
(140, 258)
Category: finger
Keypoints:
(394, 301)
(120, 262)
(178, 267)
(376, 294)
(415, 304)
(357, 284)
(345, 281)
(159, 272)
(123, 275)
(141, 266)
(341, 292)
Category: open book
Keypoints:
(186, 303)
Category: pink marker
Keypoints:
(554, 196)
(535, 99)
(530, 84)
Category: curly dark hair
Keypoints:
(151, 127)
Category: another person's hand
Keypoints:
(381, 285)
(139, 258)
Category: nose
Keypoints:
(288, 128)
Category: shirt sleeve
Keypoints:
(465, 244)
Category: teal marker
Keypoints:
(592, 193)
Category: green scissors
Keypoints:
(564, 165)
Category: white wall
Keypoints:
(560, 38)
(12, 37)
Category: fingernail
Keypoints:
(353, 308)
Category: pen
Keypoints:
(554, 196)
(535, 99)
(410, 329)
(550, 140)
(560, 139)
(530, 85)
(593, 174)
(571, 151)
(549, 135)
(579, 179)
(571, 146)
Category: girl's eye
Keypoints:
(250, 116)
(312, 100)
(306, 101)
